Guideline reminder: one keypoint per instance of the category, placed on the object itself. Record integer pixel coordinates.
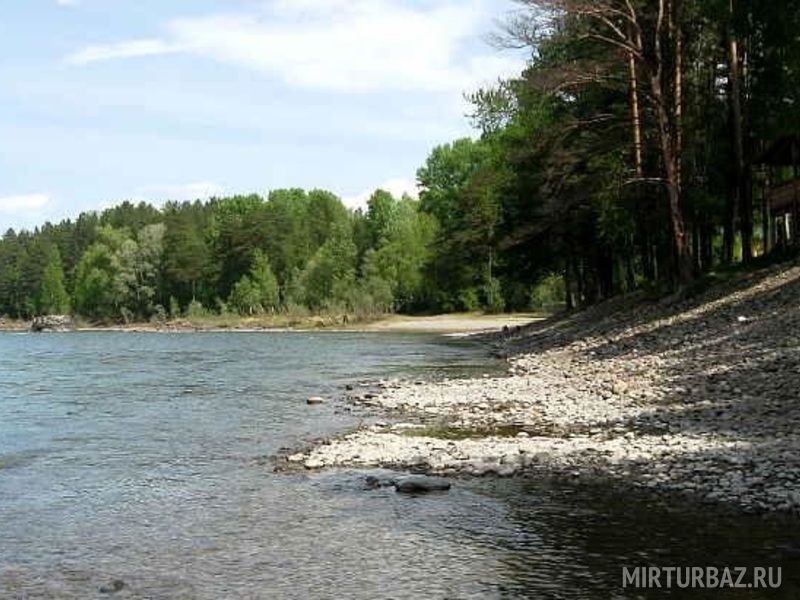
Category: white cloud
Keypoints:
(23, 204)
(337, 45)
(397, 187)
(68, 2)
(132, 49)
(200, 190)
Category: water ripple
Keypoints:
(136, 458)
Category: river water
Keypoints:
(142, 458)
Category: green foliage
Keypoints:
(159, 314)
(331, 272)
(445, 175)
(245, 297)
(374, 297)
(381, 209)
(293, 251)
(548, 294)
(265, 282)
(494, 301)
(96, 295)
(186, 249)
(402, 248)
(462, 188)
(53, 297)
(256, 292)
(174, 307)
(469, 300)
(196, 310)
(140, 270)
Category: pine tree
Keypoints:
(53, 297)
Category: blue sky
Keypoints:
(107, 100)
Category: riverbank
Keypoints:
(452, 324)
(696, 397)
(207, 323)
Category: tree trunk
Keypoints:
(765, 218)
(747, 215)
(707, 244)
(569, 300)
(729, 227)
(636, 116)
(696, 250)
(672, 172)
(630, 271)
(677, 34)
(646, 258)
(741, 179)
(605, 273)
(667, 112)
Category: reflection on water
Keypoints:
(136, 458)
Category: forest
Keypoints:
(629, 154)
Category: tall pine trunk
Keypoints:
(741, 196)
(636, 116)
(668, 108)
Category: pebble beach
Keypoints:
(698, 397)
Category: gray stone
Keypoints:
(112, 588)
(52, 323)
(421, 484)
(374, 482)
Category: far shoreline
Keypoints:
(454, 324)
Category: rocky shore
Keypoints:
(699, 397)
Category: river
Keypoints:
(143, 459)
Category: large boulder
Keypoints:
(52, 323)
(421, 484)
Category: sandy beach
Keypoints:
(463, 323)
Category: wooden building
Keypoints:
(781, 206)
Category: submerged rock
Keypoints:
(115, 586)
(52, 323)
(374, 482)
(421, 484)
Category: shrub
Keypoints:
(493, 293)
(174, 307)
(470, 302)
(196, 310)
(159, 314)
(245, 297)
(549, 293)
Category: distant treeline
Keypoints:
(292, 251)
(242, 254)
